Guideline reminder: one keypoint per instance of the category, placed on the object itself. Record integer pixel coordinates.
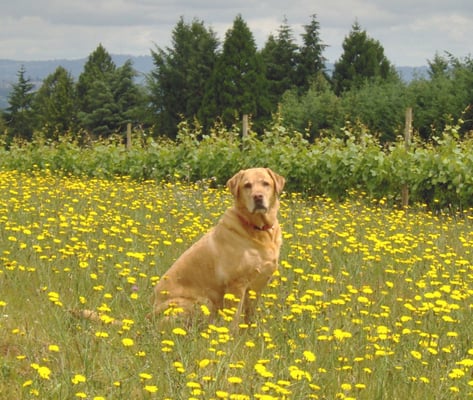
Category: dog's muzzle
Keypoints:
(259, 204)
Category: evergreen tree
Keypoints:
(177, 84)
(280, 56)
(238, 85)
(19, 114)
(99, 67)
(439, 66)
(55, 104)
(311, 62)
(362, 60)
(103, 119)
(128, 97)
(97, 109)
(108, 97)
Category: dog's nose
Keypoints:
(258, 197)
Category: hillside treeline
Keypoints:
(205, 81)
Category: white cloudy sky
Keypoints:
(411, 31)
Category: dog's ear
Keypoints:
(234, 182)
(278, 180)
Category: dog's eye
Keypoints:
(266, 183)
(247, 185)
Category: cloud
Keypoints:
(410, 31)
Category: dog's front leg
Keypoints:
(235, 302)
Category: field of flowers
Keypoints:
(370, 302)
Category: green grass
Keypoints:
(370, 302)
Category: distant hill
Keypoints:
(36, 71)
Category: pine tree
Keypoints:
(127, 95)
(280, 56)
(107, 96)
(55, 104)
(311, 62)
(238, 85)
(177, 84)
(96, 102)
(99, 67)
(362, 59)
(19, 115)
(438, 67)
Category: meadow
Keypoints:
(370, 301)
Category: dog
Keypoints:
(230, 265)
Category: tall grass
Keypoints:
(370, 302)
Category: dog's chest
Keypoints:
(248, 264)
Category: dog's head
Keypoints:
(256, 188)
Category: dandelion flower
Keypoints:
(127, 342)
(43, 372)
(203, 363)
(151, 388)
(78, 379)
(53, 348)
(309, 356)
(179, 331)
(145, 376)
(456, 373)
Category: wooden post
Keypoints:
(407, 144)
(244, 129)
(128, 136)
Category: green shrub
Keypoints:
(437, 173)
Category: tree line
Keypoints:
(205, 82)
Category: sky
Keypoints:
(410, 31)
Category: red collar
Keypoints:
(258, 228)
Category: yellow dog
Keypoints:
(238, 256)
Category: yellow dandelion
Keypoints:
(77, 378)
(341, 335)
(127, 342)
(466, 362)
(456, 373)
(205, 310)
(309, 356)
(53, 348)
(345, 387)
(43, 371)
(151, 388)
(179, 331)
(261, 370)
(204, 363)
(145, 376)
